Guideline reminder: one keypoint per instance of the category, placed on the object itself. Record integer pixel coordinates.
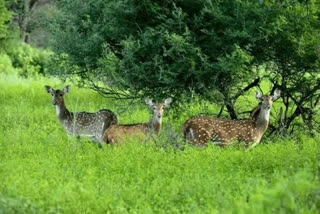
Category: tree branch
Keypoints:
(248, 87)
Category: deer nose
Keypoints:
(54, 103)
(268, 106)
(159, 116)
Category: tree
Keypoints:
(16, 56)
(292, 52)
(30, 15)
(215, 49)
(4, 18)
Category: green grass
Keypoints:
(42, 170)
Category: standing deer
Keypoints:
(203, 129)
(81, 123)
(118, 133)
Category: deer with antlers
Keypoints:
(81, 123)
(203, 129)
(118, 133)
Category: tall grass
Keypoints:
(42, 170)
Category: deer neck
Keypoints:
(262, 120)
(62, 111)
(155, 124)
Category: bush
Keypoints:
(24, 60)
(6, 66)
(4, 18)
(15, 55)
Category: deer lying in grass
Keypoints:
(203, 129)
(81, 123)
(118, 133)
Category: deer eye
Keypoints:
(154, 108)
(60, 95)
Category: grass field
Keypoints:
(42, 170)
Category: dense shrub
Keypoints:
(4, 18)
(6, 66)
(24, 60)
(15, 55)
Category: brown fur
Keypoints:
(203, 129)
(118, 133)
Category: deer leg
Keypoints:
(216, 139)
(101, 137)
(253, 145)
(94, 139)
(222, 144)
(98, 138)
(200, 146)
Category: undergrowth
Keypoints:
(42, 170)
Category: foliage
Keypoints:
(6, 66)
(153, 47)
(292, 55)
(23, 59)
(4, 18)
(17, 56)
(31, 17)
(215, 49)
(44, 171)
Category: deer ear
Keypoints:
(167, 102)
(257, 95)
(66, 89)
(148, 102)
(48, 89)
(276, 94)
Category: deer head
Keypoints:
(57, 95)
(158, 108)
(267, 100)
(265, 104)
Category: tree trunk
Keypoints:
(24, 20)
(230, 109)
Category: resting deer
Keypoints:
(203, 129)
(118, 133)
(81, 123)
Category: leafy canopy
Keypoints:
(215, 49)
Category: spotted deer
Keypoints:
(203, 129)
(118, 133)
(81, 123)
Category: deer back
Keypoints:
(118, 133)
(203, 129)
(89, 124)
